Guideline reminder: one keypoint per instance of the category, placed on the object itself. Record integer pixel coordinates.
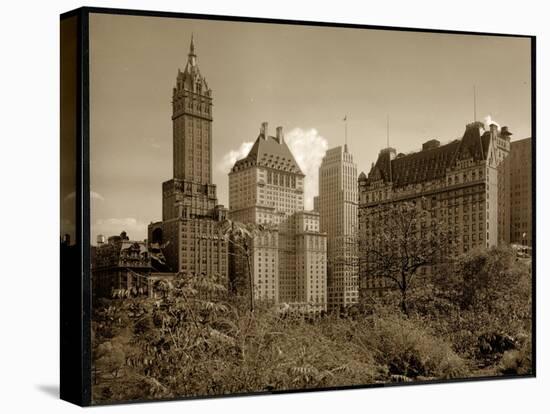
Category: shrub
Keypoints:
(406, 348)
(517, 361)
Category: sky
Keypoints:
(304, 78)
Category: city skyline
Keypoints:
(289, 207)
(308, 89)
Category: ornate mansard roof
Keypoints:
(270, 152)
(432, 162)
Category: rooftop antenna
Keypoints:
(475, 109)
(346, 133)
(388, 142)
(387, 131)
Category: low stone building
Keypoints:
(122, 267)
(120, 264)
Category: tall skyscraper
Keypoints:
(459, 181)
(521, 199)
(289, 260)
(504, 177)
(190, 210)
(337, 206)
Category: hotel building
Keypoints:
(289, 259)
(461, 181)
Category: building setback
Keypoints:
(289, 260)
(337, 206)
(460, 180)
(190, 211)
(521, 196)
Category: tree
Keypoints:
(407, 237)
(178, 335)
(240, 237)
(488, 277)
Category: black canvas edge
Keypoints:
(75, 281)
(248, 19)
(534, 203)
(81, 371)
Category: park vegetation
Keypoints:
(202, 335)
(472, 319)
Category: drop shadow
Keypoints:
(49, 389)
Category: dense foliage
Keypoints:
(473, 319)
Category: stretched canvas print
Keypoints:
(256, 206)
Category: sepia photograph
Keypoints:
(287, 206)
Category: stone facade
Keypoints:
(504, 181)
(311, 260)
(459, 180)
(190, 210)
(521, 198)
(337, 206)
(267, 187)
(120, 264)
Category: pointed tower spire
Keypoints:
(192, 57)
(192, 46)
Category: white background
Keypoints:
(29, 136)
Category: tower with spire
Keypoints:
(190, 209)
(192, 123)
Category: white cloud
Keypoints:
(487, 121)
(96, 196)
(230, 158)
(70, 196)
(93, 196)
(308, 147)
(135, 229)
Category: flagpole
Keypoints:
(475, 105)
(346, 127)
(387, 131)
(388, 143)
(345, 133)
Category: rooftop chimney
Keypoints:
(494, 130)
(388, 150)
(280, 136)
(504, 131)
(264, 130)
(431, 144)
